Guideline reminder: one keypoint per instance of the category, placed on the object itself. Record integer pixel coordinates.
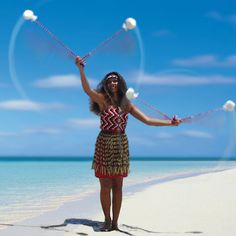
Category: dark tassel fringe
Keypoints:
(111, 154)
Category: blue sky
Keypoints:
(181, 59)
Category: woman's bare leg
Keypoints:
(105, 197)
(116, 201)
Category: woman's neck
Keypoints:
(115, 97)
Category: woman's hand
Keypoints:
(175, 121)
(79, 62)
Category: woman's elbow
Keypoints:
(147, 121)
(87, 90)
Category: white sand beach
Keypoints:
(199, 205)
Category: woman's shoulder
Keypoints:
(100, 103)
(101, 95)
(129, 106)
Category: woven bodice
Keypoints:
(113, 119)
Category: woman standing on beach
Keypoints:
(111, 158)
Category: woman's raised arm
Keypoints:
(95, 96)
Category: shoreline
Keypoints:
(75, 215)
(90, 159)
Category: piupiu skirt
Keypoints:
(111, 157)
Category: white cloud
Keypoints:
(203, 60)
(186, 133)
(197, 134)
(232, 18)
(8, 134)
(169, 136)
(165, 135)
(58, 81)
(178, 79)
(215, 15)
(50, 131)
(3, 85)
(29, 131)
(26, 105)
(141, 141)
(62, 81)
(161, 33)
(83, 123)
(206, 61)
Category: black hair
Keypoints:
(102, 88)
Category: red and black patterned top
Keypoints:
(113, 119)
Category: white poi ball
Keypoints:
(130, 94)
(229, 106)
(130, 23)
(29, 15)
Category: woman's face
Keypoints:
(112, 83)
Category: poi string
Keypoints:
(29, 15)
(192, 118)
(228, 106)
(89, 54)
(130, 94)
(154, 108)
(59, 41)
(129, 24)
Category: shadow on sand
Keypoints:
(97, 225)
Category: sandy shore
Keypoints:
(199, 205)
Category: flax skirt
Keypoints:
(111, 158)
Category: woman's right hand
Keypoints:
(79, 62)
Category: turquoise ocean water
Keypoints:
(30, 187)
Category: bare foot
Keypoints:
(106, 226)
(114, 227)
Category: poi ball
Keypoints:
(130, 23)
(29, 15)
(229, 106)
(130, 94)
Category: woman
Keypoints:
(111, 158)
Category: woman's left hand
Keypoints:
(175, 121)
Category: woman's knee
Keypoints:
(106, 184)
(117, 184)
